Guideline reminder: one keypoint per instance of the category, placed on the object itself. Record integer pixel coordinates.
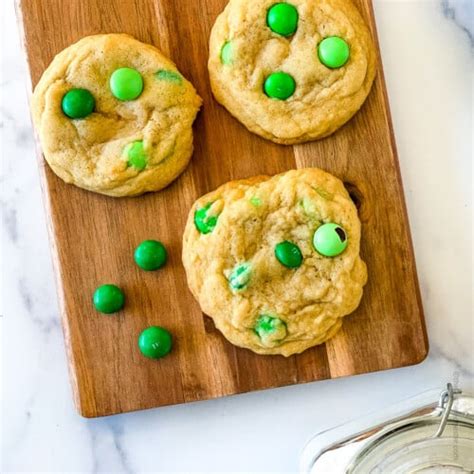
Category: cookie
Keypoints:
(275, 261)
(115, 116)
(291, 72)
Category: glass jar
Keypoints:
(418, 435)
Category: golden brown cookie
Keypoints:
(115, 116)
(275, 261)
(291, 71)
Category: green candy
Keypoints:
(150, 255)
(108, 299)
(155, 342)
(203, 222)
(171, 76)
(270, 329)
(330, 240)
(126, 83)
(78, 103)
(136, 155)
(255, 201)
(240, 276)
(226, 53)
(288, 254)
(282, 18)
(333, 52)
(279, 85)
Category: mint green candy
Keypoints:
(330, 240)
(333, 52)
(170, 76)
(204, 222)
(126, 83)
(226, 53)
(279, 85)
(240, 276)
(270, 329)
(282, 18)
(136, 155)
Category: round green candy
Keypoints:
(155, 342)
(282, 18)
(279, 85)
(288, 254)
(333, 52)
(126, 83)
(270, 329)
(108, 299)
(204, 222)
(330, 240)
(240, 276)
(78, 103)
(150, 255)
(136, 155)
(226, 53)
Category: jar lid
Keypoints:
(421, 438)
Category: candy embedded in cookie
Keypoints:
(267, 262)
(114, 116)
(291, 71)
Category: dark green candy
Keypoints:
(155, 342)
(108, 299)
(203, 221)
(78, 103)
(282, 18)
(150, 255)
(288, 254)
(279, 85)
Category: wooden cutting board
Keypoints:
(93, 237)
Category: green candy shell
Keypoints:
(108, 299)
(155, 342)
(150, 255)
(330, 240)
(279, 85)
(282, 18)
(78, 103)
(333, 52)
(126, 83)
(288, 254)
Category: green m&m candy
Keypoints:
(282, 18)
(288, 254)
(155, 342)
(108, 299)
(150, 255)
(78, 103)
(333, 52)
(126, 83)
(270, 329)
(203, 221)
(240, 276)
(226, 53)
(330, 240)
(136, 155)
(279, 85)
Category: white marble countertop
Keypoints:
(427, 52)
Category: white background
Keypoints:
(427, 57)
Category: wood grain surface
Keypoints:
(93, 237)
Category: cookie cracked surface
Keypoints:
(249, 43)
(252, 265)
(127, 146)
